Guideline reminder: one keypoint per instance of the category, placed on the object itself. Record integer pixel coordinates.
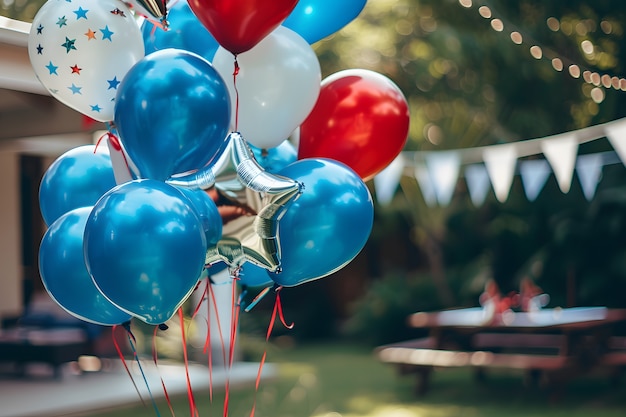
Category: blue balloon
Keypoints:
(64, 274)
(145, 248)
(184, 32)
(252, 276)
(274, 159)
(78, 178)
(207, 211)
(327, 226)
(316, 19)
(172, 113)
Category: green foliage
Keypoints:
(21, 9)
(380, 316)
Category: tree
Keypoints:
(468, 85)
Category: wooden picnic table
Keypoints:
(551, 344)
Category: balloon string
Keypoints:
(115, 143)
(193, 411)
(155, 25)
(257, 299)
(202, 299)
(121, 355)
(233, 336)
(208, 348)
(155, 359)
(222, 343)
(219, 325)
(235, 73)
(280, 310)
(199, 305)
(267, 338)
(207, 340)
(235, 322)
(95, 149)
(132, 341)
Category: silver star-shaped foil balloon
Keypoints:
(251, 201)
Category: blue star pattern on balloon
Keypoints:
(106, 33)
(75, 89)
(81, 13)
(52, 68)
(69, 45)
(113, 83)
(74, 40)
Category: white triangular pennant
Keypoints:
(534, 174)
(423, 179)
(478, 183)
(561, 154)
(386, 181)
(616, 134)
(443, 168)
(500, 161)
(589, 171)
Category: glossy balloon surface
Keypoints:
(77, 178)
(327, 226)
(184, 32)
(64, 274)
(207, 212)
(145, 247)
(277, 85)
(172, 113)
(81, 50)
(361, 118)
(238, 25)
(277, 158)
(316, 19)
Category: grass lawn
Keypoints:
(339, 380)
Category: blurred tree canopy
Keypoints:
(469, 84)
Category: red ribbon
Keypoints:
(121, 355)
(193, 410)
(277, 311)
(154, 358)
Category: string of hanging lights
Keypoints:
(558, 61)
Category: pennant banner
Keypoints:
(386, 182)
(616, 134)
(478, 184)
(589, 171)
(428, 190)
(443, 168)
(500, 162)
(561, 153)
(534, 174)
(437, 172)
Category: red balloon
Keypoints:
(238, 25)
(361, 118)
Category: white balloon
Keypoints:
(81, 50)
(278, 84)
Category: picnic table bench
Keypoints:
(549, 345)
(55, 347)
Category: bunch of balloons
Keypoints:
(201, 98)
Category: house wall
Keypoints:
(10, 235)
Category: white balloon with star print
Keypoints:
(81, 50)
